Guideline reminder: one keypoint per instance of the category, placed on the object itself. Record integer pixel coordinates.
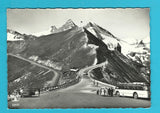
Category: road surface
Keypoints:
(77, 100)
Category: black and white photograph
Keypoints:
(78, 58)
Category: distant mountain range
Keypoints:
(73, 47)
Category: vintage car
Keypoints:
(30, 92)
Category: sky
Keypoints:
(124, 23)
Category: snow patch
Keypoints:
(110, 42)
(46, 32)
(90, 29)
(93, 50)
(93, 46)
(12, 37)
(95, 61)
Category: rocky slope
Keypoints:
(119, 68)
(24, 74)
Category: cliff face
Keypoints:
(119, 68)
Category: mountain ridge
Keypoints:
(76, 47)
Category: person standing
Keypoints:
(21, 92)
(39, 91)
(104, 91)
(109, 92)
(98, 92)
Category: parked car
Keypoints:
(30, 92)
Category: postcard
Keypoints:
(78, 58)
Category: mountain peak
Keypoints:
(141, 44)
(53, 28)
(89, 25)
(69, 24)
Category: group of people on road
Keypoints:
(105, 91)
(15, 96)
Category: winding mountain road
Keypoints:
(80, 95)
(86, 84)
(87, 69)
(56, 75)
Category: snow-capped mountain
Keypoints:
(13, 35)
(113, 42)
(141, 51)
(109, 39)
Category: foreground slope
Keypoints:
(27, 74)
